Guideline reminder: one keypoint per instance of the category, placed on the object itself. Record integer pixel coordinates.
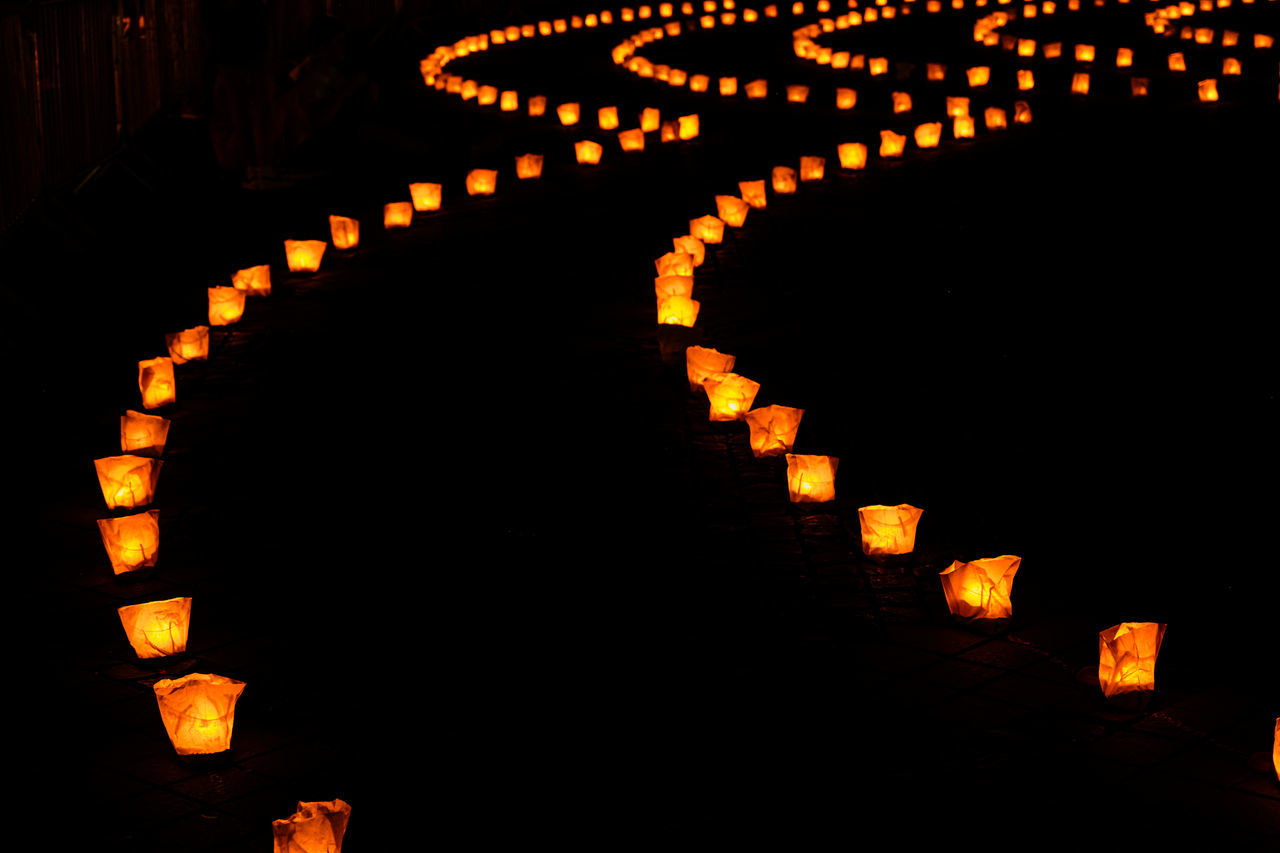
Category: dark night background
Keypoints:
(465, 536)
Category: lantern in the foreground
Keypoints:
(254, 280)
(529, 166)
(510, 101)
(773, 430)
(650, 119)
(156, 380)
(892, 144)
(797, 94)
(928, 134)
(313, 828)
(784, 179)
(730, 396)
(702, 362)
(846, 99)
(127, 481)
(979, 75)
(198, 711)
(426, 196)
(397, 214)
(1080, 84)
(678, 311)
(853, 155)
(692, 246)
(1021, 112)
(132, 541)
(304, 255)
(345, 232)
(226, 305)
(1208, 90)
(673, 285)
(902, 102)
(757, 89)
(482, 181)
(732, 210)
(996, 119)
(687, 126)
(537, 106)
(588, 152)
(811, 479)
(812, 168)
(753, 193)
(188, 345)
(142, 434)
(877, 66)
(607, 118)
(962, 127)
(674, 263)
(888, 530)
(568, 113)
(157, 629)
(631, 140)
(1127, 657)
(708, 229)
(1124, 57)
(980, 589)
(728, 86)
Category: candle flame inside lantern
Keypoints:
(888, 530)
(226, 305)
(981, 589)
(853, 155)
(127, 481)
(425, 196)
(891, 144)
(784, 180)
(481, 181)
(188, 345)
(132, 542)
(198, 711)
(1127, 657)
(704, 362)
(773, 430)
(304, 255)
(156, 380)
(397, 214)
(730, 396)
(158, 628)
(345, 232)
(811, 479)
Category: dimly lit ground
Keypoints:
(483, 563)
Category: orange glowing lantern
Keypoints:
(588, 152)
(1124, 58)
(345, 231)
(487, 95)
(560, 25)
(1262, 42)
(1127, 657)
(773, 430)
(1177, 62)
(892, 144)
(1080, 84)
(753, 193)
(678, 311)
(529, 166)
(1026, 79)
(1208, 90)
(608, 118)
(1138, 86)
(979, 75)
(957, 107)
(482, 181)
(996, 119)
(1053, 51)
(226, 306)
(704, 362)
(797, 94)
(675, 263)
(568, 114)
(853, 155)
(901, 102)
(673, 285)
(255, 281)
(1231, 67)
(732, 210)
(127, 481)
(935, 71)
(317, 827)
(304, 255)
(840, 59)
(981, 589)
(425, 196)
(677, 77)
(132, 541)
(784, 179)
(699, 83)
(188, 345)
(650, 119)
(888, 530)
(198, 711)
(846, 98)
(157, 629)
(962, 127)
(757, 89)
(708, 229)
(469, 90)
(730, 395)
(631, 140)
(156, 379)
(1026, 47)
(510, 101)
(691, 246)
(1204, 35)
(143, 435)
(687, 126)
(1085, 53)
(1021, 112)
(537, 106)
(928, 135)
(728, 86)
(397, 214)
(811, 479)
(877, 66)
(812, 168)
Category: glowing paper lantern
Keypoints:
(853, 155)
(1275, 750)
(675, 263)
(631, 140)
(537, 106)
(1208, 90)
(1262, 42)
(132, 542)
(812, 168)
(486, 95)
(962, 127)
(877, 66)
(811, 479)
(753, 193)
(226, 306)
(692, 246)
(678, 311)
(304, 255)
(677, 77)
(127, 481)
(1021, 112)
(1026, 47)
(957, 107)
(588, 152)
(728, 86)
(888, 530)
(1177, 62)
(708, 229)
(1127, 657)
(397, 214)
(188, 345)
(607, 117)
(797, 94)
(979, 75)
(1080, 84)
(1231, 67)
(158, 628)
(730, 396)
(568, 114)
(901, 102)
(981, 589)
(1138, 86)
(927, 135)
(732, 210)
(144, 435)
(482, 181)
(510, 101)
(1026, 79)
(1084, 53)
(687, 126)
(773, 430)
(936, 71)
(757, 89)
(529, 166)
(704, 362)
(1124, 57)
(1053, 51)
(784, 180)
(699, 83)
(345, 232)
(425, 196)
(198, 711)
(891, 144)
(314, 827)
(996, 119)
(253, 280)
(650, 118)
(846, 99)
(156, 380)
(673, 285)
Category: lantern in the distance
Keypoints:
(1021, 112)
(607, 117)
(784, 180)
(892, 144)
(812, 168)
(797, 94)
(669, 132)
(957, 107)
(1124, 57)
(678, 311)
(568, 114)
(482, 181)
(691, 246)
(732, 210)
(980, 589)
(687, 126)
(979, 75)
(1208, 90)
(650, 119)
(188, 345)
(1127, 657)
(588, 152)
(877, 66)
(529, 166)
(345, 232)
(1085, 53)
(253, 280)
(132, 542)
(157, 629)
(888, 530)
(811, 479)
(962, 127)
(631, 140)
(935, 71)
(226, 305)
(703, 362)
(198, 711)
(1177, 62)
(773, 430)
(510, 101)
(846, 99)
(425, 196)
(902, 102)
(537, 106)
(699, 83)
(753, 193)
(708, 229)
(728, 86)
(127, 481)
(313, 828)
(1080, 84)
(397, 214)
(156, 380)
(1138, 86)
(928, 134)
(757, 89)
(996, 119)
(1275, 750)
(853, 155)
(730, 396)
(142, 434)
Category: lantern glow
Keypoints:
(1080, 84)
(673, 285)
(687, 126)
(901, 102)
(304, 255)
(313, 828)
(588, 152)
(607, 118)
(678, 311)
(797, 94)
(425, 196)
(568, 113)
(996, 119)
(253, 280)
(757, 89)
(226, 305)
(962, 127)
(773, 430)
(529, 166)
(703, 362)
(888, 530)
(482, 181)
(753, 193)
(853, 155)
(784, 180)
(143, 435)
(812, 168)
(979, 75)
(980, 589)
(1208, 90)
(127, 481)
(188, 345)
(728, 86)
(692, 246)
(892, 144)
(846, 99)
(158, 628)
(811, 479)
(730, 396)
(732, 210)
(345, 232)
(132, 542)
(928, 134)
(397, 214)
(1127, 657)
(537, 106)
(708, 229)
(198, 711)
(675, 263)
(156, 380)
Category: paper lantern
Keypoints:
(732, 210)
(678, 311)
(730, 395)
(1084, 53)
(888, 530)
(588, 152)
(156, 380)
(345, 231)
(996, 118)
(707, 22)
(750, 15)
(226, 306)
(1275, 749)
(901, 102)
(1138, 86)
(425, 196)
(757, 89)
(482, 181)
(773, 430)
(188, 345)
(487, 95)
(673, 285)
(1231, 67)
(891, 144)
(1026, 79)
(687, 126)
(304, 255)
(198, 711)
(631, 140)
(853, 155)
(1053, 51)
(981, 589)
(812, 168)
(560, 25)
(1177, 62)
(132, 542)
(1262, 42)
(677, 77)
(1080, 84)
(704, 362)
(253, 280)
(537, 106)
(979, 75)
(811, 479)
(669, 132)
(1127, 657)
(1021, 112)
(143, 435)
(397, 214)
(1124, 57)
(708, 229)
(607, 117)
(1026, 47)
(568, 114)
(1208, 90)
(784, 179)
(157, 629)
(957, 107)
(314, 827)
(797, 94)
(928, 134)
(846, 99)
(962, 127)
(1204, 35)
(858, 61)
(529, 166)
(692, 246)
(936, 71)
(675, 263)
(127, 481)
(728, 86)
(510, 101)
(753, 193)
(877, 66)
(649, 119)
(699, 83)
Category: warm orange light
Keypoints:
(691, 246)
(470, 88)
(226, 306)
(188, 345)
(1085, 53)
(687, 126)
(1275, 750)
(675, 263)
(560, 25)
(397, 214)
(631, 140)
(1053, 51)
(753, 193)
(304, 255)
(979, 75)
(1204, 35)
(1208, 90)
(482, 181)
(1262, 42)
(143, 435)
(750, 16)
(962, 127)
(157, 629)
(728, 86)
(487, 95)
(1026, 47)
(132, 541)
(345, 232)
(537, 106)
(1124, 57)
(901, 102)
(877, 66)
(677, 311)
(853, 155)
(812, 168)
(784, 179)
(797, 94)
(677, 77)
(529, 166)
(1138, 86)
(198, 711)
(846, 99)
(703, 362)
(730, 396)
(957, 107)
(1177, 62)
(811, 479)
(980, 589)
(127, 481)
(708, 229)
(650, 119)
(319, 827)
(892, 144)
(840, 59)
(568, 114)
(732, 210)
(588, 152)
(156, 379)
(757, 89)
(927, 135)
(699, 83)
(1231, 67)
(608, 118)
(1127, 657)
(673, 285)
(1021, 112)
(773, 430)
(1080, 84)
(936, 71)
(255, 281)
(996, 119)
(1026, 79)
